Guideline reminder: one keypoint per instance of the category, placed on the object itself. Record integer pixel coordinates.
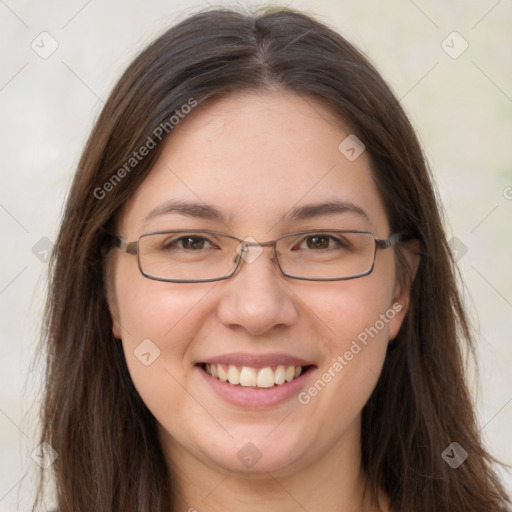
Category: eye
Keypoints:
(188, 243)
(322, 241)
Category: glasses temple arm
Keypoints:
(124, 245)
(393, 239)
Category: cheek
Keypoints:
(156, 310)
(357, 317)
(359, 309)
(159, 322)
(357, 347)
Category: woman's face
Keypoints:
(257, 159)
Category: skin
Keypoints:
(256, 156)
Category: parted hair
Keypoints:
(109, 456)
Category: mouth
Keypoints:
(255, 377)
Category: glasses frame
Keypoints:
(133, 248)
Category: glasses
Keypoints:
(196, 256)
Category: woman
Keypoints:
(253, 302)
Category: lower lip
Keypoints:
(257, 398)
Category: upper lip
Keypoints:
(256, 361)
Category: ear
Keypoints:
(409, 259)
(111, 296)
(116, 325)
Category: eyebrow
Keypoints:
(333, 207)
(209, 212)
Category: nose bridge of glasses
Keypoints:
(245, 253)
(249, 243)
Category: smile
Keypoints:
(247, 376)
(256, 381)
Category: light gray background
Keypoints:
(461, 107)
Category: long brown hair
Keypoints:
(109, 457)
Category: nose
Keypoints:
(256, 298)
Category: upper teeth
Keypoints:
(247, 376)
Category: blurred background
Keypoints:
(450, 63)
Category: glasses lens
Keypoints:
(184, 256)
(202, 256)
(326, 254)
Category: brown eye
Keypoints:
(318, 242)
(192, 242)
(187, 243)
(322, 241)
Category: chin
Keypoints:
(258, 454)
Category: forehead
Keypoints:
(256, 156)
